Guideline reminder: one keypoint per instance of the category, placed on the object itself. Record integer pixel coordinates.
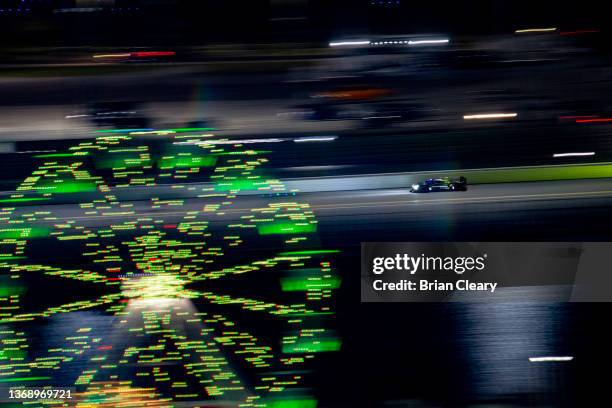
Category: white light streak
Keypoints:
(426, 42)
(490, 116)
(574, 154)
(549, 359)
(349, 43)
(229, 141)
(37, 151)
(316, 139)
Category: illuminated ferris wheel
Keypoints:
(178, 274)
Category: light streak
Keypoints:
(316, 139)
(428, 42)
(146, 54)
(231, 141)
(577, 32)
(576, 154)
(536, 30)
(550, 359)
(490, 116)
(117, 55)
(348, 43)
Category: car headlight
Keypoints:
(415, 186)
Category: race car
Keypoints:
(440, 184)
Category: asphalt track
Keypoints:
(573, 206)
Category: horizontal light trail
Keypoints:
(349, 43)
(577, 32)
(36, 151)
(425, 42)
(598, 120)
(579, 117)
(316, 139)
(490, 116)
(231, 142)
(575, 154)
(145, 54)
(549, 359)
(118, 55)
(536, 30)
(136, 54)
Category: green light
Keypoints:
(313, 252)
(6, 291)
(286, 228)
(64, 187)
(54, 155)
(290, 403)
(530, 173)
(312, 345)
(238, 185)
(313, 283)
(29, 232)
(187, 161)
(125, 161)
(14, 354)
(177, 130)
(22, 200)
(23, 379)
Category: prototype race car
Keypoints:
(440, 184)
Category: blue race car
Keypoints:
(440, 184)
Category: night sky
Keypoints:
(199, 22)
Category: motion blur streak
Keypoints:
(578, 32)
(536, 30)
(316, 139)
(549, 359)
(425, 42)
(578, 154)
(153, 54)
(598, 120)
(231, 142)
(119, 55)
(490, 116)
(348, 43)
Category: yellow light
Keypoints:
(120, 55)
(162, 286)
(536, 30)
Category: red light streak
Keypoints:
(146, 54)
(577, 32)
(598, 120)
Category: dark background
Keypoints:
(192, 22)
